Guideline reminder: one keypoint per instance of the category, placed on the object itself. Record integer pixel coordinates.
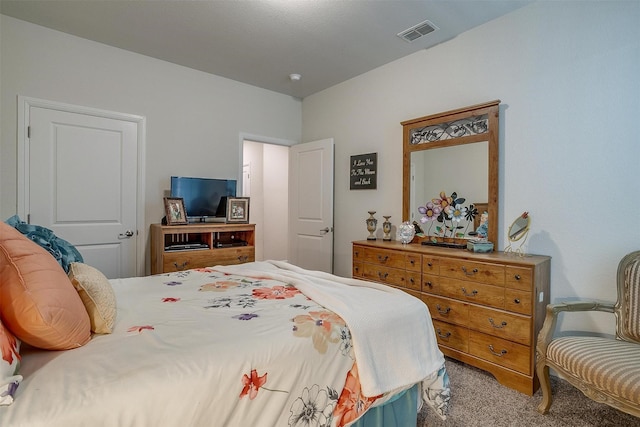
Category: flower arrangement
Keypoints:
(448, 212)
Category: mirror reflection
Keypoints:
(462, 169)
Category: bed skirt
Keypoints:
(400, 412)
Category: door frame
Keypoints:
(24, 105)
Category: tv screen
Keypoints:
(202, 196)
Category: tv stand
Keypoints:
(196, 245)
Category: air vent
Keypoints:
(417, 31)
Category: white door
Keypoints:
(81, 181)
(311, 205)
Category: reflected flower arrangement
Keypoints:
(447, 213)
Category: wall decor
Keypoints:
(364, 171)
(238, 209)
(174, 211)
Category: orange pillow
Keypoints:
(38, 303)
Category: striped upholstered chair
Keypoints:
(606, 370)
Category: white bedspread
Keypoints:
(215, 347)
(387, 325)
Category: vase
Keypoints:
(372, 224)
(386, 228)
(406, 232)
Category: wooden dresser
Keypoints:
(487, 309)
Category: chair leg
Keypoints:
(545, 386)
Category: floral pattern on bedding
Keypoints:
(248, 350)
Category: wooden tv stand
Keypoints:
(181, 247)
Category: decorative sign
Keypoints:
(364, 171)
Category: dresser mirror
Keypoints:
(452, 152)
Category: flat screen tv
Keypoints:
(204, 198)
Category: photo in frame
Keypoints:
(238, 209)
(174, 211)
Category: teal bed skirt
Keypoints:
(402, 411)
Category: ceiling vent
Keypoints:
(417, 31)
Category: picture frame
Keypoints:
(174, 211)
(238, 209)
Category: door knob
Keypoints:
(325, 230)
(127, 234)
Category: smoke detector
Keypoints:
(417, 31)
(295, 77)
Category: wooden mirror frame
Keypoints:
(492, 112)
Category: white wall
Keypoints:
(568, 77)
(194, 119)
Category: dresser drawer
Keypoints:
(501, 352)
(518, 301)
(413, 262)
(447, 309)
(413, 280)
(456, 337)
(519, 278)
(478, 293)
(430, 283)
(500, 324)
(358, 253)
(473, 271)
(358, 270)
(388, 276)
(184, 260)
(385, 258)
(430, 265)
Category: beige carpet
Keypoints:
(477, 399)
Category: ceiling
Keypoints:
(262, 42)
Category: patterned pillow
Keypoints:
(97, 296)
(64, 252)
(9, 364)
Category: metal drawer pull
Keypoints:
(429, 284)
(441, 311)
(383, 258)
(429, 264)
(181, 266)
(500, 326)
(472, 294)
(474, 271)
(243, 258)
(517, 300)
(441, 335)
(502, 353)
(382, 275)
(517, 277)
(412, 281)
(412, 261)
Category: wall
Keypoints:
(194, 119)
(567, 76)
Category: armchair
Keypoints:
(606, 370)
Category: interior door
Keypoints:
(311, 205)
(82, 181)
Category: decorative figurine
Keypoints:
(483, 228)
(386, 228)
(372, 224)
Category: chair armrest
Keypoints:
(546, 333)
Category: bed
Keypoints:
(258, 344)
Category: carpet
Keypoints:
(477, 399)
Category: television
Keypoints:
(204, 198)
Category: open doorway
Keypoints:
(265, 179)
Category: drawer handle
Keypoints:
(429, 264)
(243, 258)
(382, 275)
(472, 294)
(500, 326)
(181, 266)
(383, 258)
(517, 300)
(502, 353)
(412, 281)
(469, 273)
(441, 335)
(441, 311)
(429, 284)
(412, 261)
(517, 277)
(357, 269)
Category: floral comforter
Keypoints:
(205, 347)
